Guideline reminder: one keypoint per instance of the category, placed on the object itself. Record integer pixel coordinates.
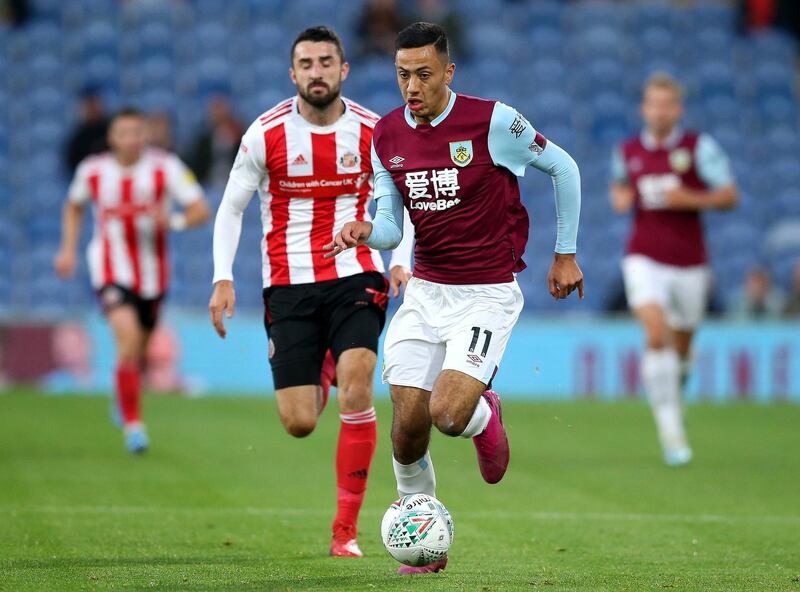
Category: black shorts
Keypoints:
(147, 309)
(304, 321)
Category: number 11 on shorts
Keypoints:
(476, 334)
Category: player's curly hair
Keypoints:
(421, 34)
(319, 33)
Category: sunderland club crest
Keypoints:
(461, 152)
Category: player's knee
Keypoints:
(299, 427)
(657, 339)
(446, 419)
(354, 396)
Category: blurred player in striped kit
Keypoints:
(667, 176)
(309, 159)
(131, 189)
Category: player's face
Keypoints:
(423, 75)
(318, 72)
(127, 137)
(661, 110)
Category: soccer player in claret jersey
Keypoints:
(453, 161)
(667, 176)
(131, 189)
(309, 159)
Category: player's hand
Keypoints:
(351, 235)
(222, 301)
(398, 278)
(65, 263)
(565, 277)
(680, 198)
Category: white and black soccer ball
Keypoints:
(417, 530)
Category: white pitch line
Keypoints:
(481, 514)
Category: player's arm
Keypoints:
(621, 193)
(71, 218)
(386, 230)
(714, 169)
(246, 174)
(400, 263)
(515, 145)
(187, 192)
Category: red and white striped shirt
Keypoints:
(128, 247)
(311, 180)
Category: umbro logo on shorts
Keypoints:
(474, 360)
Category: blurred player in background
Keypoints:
(667, 176)
(453, 160)
(131, 188)
(309, 159)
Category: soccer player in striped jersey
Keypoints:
(131, 188)
(309, 159)
(667, 176)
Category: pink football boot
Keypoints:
(492, 444)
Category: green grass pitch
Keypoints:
(226, 501)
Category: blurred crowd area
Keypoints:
(204, 69)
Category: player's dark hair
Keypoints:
(422, 34)
(128, 112)
(316, 34)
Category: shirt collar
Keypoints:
(303, 122)
(439, 119)
(672, 140)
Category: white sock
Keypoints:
(479, 420)
(661, 377)
(418, 477)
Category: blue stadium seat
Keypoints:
(711, 14)
(656, 40)
(773, 46)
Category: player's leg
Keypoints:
(129, 337)
(687, 304)
(647, 287)
(297, 347)
(355, 313)
(411, 433)
(462, 403)
(358, 436)
(413, 468)
(682, 339)
(689, 289)
(413, 356)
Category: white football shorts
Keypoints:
(682, 292)
(446, 327)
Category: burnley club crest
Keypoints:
(461, 152)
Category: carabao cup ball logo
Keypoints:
(417, 530)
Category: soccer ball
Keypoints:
(417, 529)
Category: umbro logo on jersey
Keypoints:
(397, 161)
(299, 160)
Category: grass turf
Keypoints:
(226, 501)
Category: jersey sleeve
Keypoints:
(79, 191)
(182, 185)
(713, 164)
(387, 226)
(383, 184)
(249, 168)
(619, 173)
(513, 142)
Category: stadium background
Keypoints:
(574, 68)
